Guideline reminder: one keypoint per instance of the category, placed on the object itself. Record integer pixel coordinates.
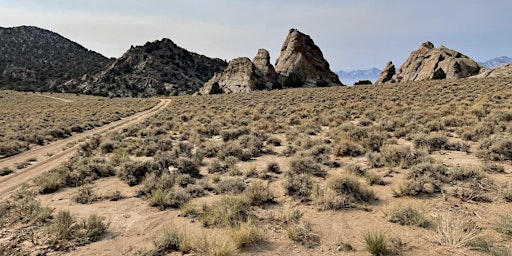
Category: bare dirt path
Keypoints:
(55, 98)
(52, 155)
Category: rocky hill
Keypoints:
(36, 59)
(300, 64)
(156, 68)
(428, 62)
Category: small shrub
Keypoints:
(303, 234)
(351, 189)
(274, 167)
(401, 156)
(373, 178)
(51, 181)
(496, 148)
(406, 215)
(217, 166)
(229, 211)
(274, 141)
(171, 240)
(63, 227)
(307, 166)
(160, 198)
(432, 142)
(376, 244)
(424, 179)
(231, 186)
(183, 180)
(115, 195)
(493, 167)
(85, 195)
(188, 166)
(93, 227)
(455, 230)
(504, 225)
(355, 169)
(347, 148)
(247, 233)
(298, 185)
(6, 171)
(258, 192)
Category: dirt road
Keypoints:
(52, 155)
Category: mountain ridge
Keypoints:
(35, 59)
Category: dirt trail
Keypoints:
(52, 155)
(55, 98)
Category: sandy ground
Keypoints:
(52, 155)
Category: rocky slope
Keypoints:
(157, 68)
(428, 62)
(300, 64)
(36, 59)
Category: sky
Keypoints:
(352, 34)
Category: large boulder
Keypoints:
(239, 76)
(303, 60)
(428, 62)
(387, 74)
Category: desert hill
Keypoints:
(32, 58)
(156, 68)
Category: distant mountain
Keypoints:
(350, 77)
(496, 62)
(32, 58)
(156, 68)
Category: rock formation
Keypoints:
(301, 64)
(302, 58)
(427, 61)
(239, 76)
(387, 74)
(264, 68)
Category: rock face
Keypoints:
(501, 71)
(264, 68)
(157, 68)
(428, 62)
(301, 64)
(387, 74)
(301, 57)
(239, 76)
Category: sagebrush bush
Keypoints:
(308, 166)
(85, 195)
(407, 215)
(231, 186)
(229, 211)
(347, 148)
(301, 232)
(258, 192)
(351, 189)
(246, 234)
(298, 185)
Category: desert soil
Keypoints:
(52, 155)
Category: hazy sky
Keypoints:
(353, 34)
